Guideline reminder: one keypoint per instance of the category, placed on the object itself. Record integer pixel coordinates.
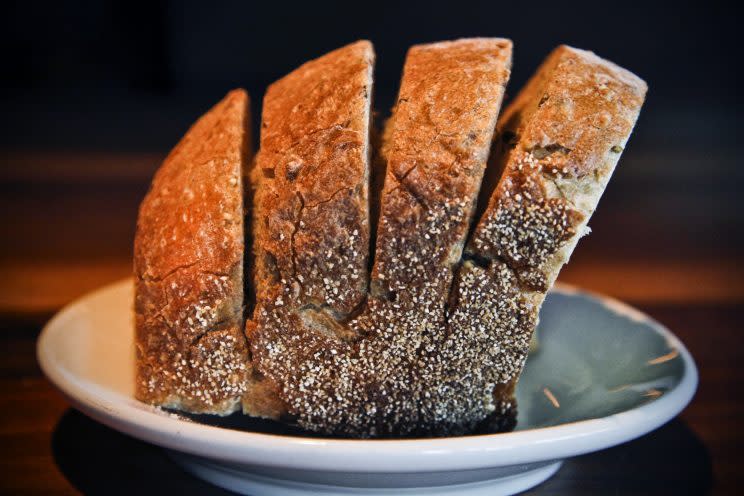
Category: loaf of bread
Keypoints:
(394, 320)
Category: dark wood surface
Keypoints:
(66, 229)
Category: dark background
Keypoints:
(94, 94)
(130, 75)
(99, 91)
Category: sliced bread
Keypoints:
(188, 263)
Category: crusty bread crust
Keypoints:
(311, 209)
(436, 146)
(380, 371)
(558, 144)
(311, 214)
(188, 264)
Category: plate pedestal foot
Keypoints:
(233, 478)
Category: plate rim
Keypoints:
(376, 455)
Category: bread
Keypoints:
(311, 220)
(559, 142)
(369, 365)
(188, 263)
(423, 339)
(311, 182)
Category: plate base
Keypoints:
(246, 481)
(616, 373)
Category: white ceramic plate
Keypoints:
(603, 374)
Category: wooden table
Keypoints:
(67, 226)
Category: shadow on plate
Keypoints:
(99, 460)
(240, 422)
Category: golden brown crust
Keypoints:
(586, 106)
(558, 144)
(381, 372)
(560, 141)
(311, 221)
(437, 146)
(188, 264)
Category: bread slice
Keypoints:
(558, 144)
(338, 363)
(311, 213)
(188, 264)
(311, 180)
(436, 145)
